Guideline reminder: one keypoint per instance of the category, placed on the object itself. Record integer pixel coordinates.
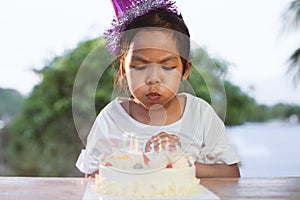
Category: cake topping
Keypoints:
(138, 166)
(146, 159)
(169, 165)
(153, 160)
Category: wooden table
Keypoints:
(74, 188)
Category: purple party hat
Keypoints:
(120, 6)
(126, 11)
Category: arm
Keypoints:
(216, 170)
(92, 175)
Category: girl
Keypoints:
(154, 48)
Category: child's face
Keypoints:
(153, 68)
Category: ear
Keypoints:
(122, 66)
(187, 69)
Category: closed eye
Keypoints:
(142, 67)
(168, 68)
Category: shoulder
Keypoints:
(115, 110)
(194, 101)
(113, 106)
(198, 108)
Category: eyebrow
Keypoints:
(141, 58)
(137, 57)
(168, 58)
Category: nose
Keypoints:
(153, 75)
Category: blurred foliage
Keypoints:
(10, 104)
(44, 141)
(291, 21)
(239, 107)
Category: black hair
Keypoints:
(165, 21)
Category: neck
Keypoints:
(158, 115)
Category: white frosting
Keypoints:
(164, 182)
(152, 179)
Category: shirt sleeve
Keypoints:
(215, 146)
(86, 163)
(89, 158)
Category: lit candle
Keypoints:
(159, 146)
(124, 141)
(131, 144)
(167, 143)
(153, 143)
(136, 145)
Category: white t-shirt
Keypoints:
(202, 134)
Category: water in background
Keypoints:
(267, 149)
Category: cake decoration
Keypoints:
(140, 175)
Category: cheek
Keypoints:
(173, 77)
(134, 80)
(172, 81)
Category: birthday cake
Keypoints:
(139, 175)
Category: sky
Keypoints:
(247, 33)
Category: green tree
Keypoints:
(11, 102)
(43, 140)
(209, 79)
(291, 20)
(240, 107)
